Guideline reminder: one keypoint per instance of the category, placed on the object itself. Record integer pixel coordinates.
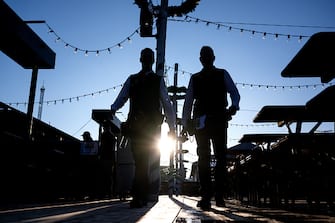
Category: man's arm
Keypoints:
(122, 97)
(233, 93)
(167, 106)
(188, 103)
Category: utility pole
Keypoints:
(161, 37)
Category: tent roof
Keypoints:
(315, 58)
(19, 42)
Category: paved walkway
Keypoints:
(181, 209)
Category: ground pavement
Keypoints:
(175, 209)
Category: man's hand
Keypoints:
(183, 135)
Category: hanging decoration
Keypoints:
(185, 7)
(86, 52)
(187, 18)
(264, 34)
(251, 86)
(69, 99)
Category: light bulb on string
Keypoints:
(252, 33)
(264, 35)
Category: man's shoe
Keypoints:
(220, 203)
(204, 205)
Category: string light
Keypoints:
(253, 32)
(253, 125)
(186, 19)
(86, 51)
(259, 86)
(264, 35)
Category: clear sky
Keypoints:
(81, 83)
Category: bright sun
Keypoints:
(165, 145)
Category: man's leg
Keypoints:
(220, 172)
(141, 179)
(154, 164)
(203, 150)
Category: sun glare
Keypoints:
(165, 145)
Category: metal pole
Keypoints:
(161, 37)
(174, 101)
(31, 101)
